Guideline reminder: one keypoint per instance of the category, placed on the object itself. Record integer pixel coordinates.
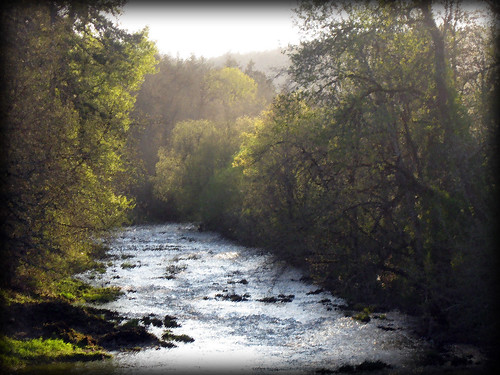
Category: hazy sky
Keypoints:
(212, 29)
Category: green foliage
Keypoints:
(372, 172)
(192, 165)
(375, 173)
(279, 163)
(220, 201)
(184, 91)
(70, 76)
(171, 95)
(228, 93)
(78, 291)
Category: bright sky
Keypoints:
(209, 30)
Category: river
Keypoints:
(222, 295)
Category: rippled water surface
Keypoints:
(175, 270)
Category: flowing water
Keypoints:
(215, 289)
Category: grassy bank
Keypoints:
(39, 329)
(78, 291)
(62, 327)
(19, 353)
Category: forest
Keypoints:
(372, 169)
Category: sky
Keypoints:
(212, 29)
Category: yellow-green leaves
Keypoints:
(71, 81)
(230, 86)
(197, 151)
(229, 93)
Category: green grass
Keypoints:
(18, 353)
(77, 291)
(102, 295)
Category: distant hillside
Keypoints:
(272, 63)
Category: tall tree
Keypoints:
(395, 166)
(69, 82)
(229, 93)
(194, 160)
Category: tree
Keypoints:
(417, 193)
(70, 79)
(187, 90)
(282, 162)
(228, 93)
(197, 152)
(171, 95)
(391, 161)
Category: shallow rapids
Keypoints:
(246, 311)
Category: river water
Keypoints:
(175, 270)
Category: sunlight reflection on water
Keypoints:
(182, 272)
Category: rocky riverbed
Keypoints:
(194, 302)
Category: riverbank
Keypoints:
(443, 354)
(42, 330)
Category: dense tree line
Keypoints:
(375, 171)
(87, 112)
(190, 104)
(271, 63)
(388, 191)
(69, 82)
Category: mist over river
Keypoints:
(246, 311)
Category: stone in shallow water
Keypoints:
(233, 297)
(259, 335)
(280, 298)
(128, 337)
(170, 322)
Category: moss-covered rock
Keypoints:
(169, 336)
(280, 298)
(363, 316)
(152, 320)
(233, 297)
(126, 337)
